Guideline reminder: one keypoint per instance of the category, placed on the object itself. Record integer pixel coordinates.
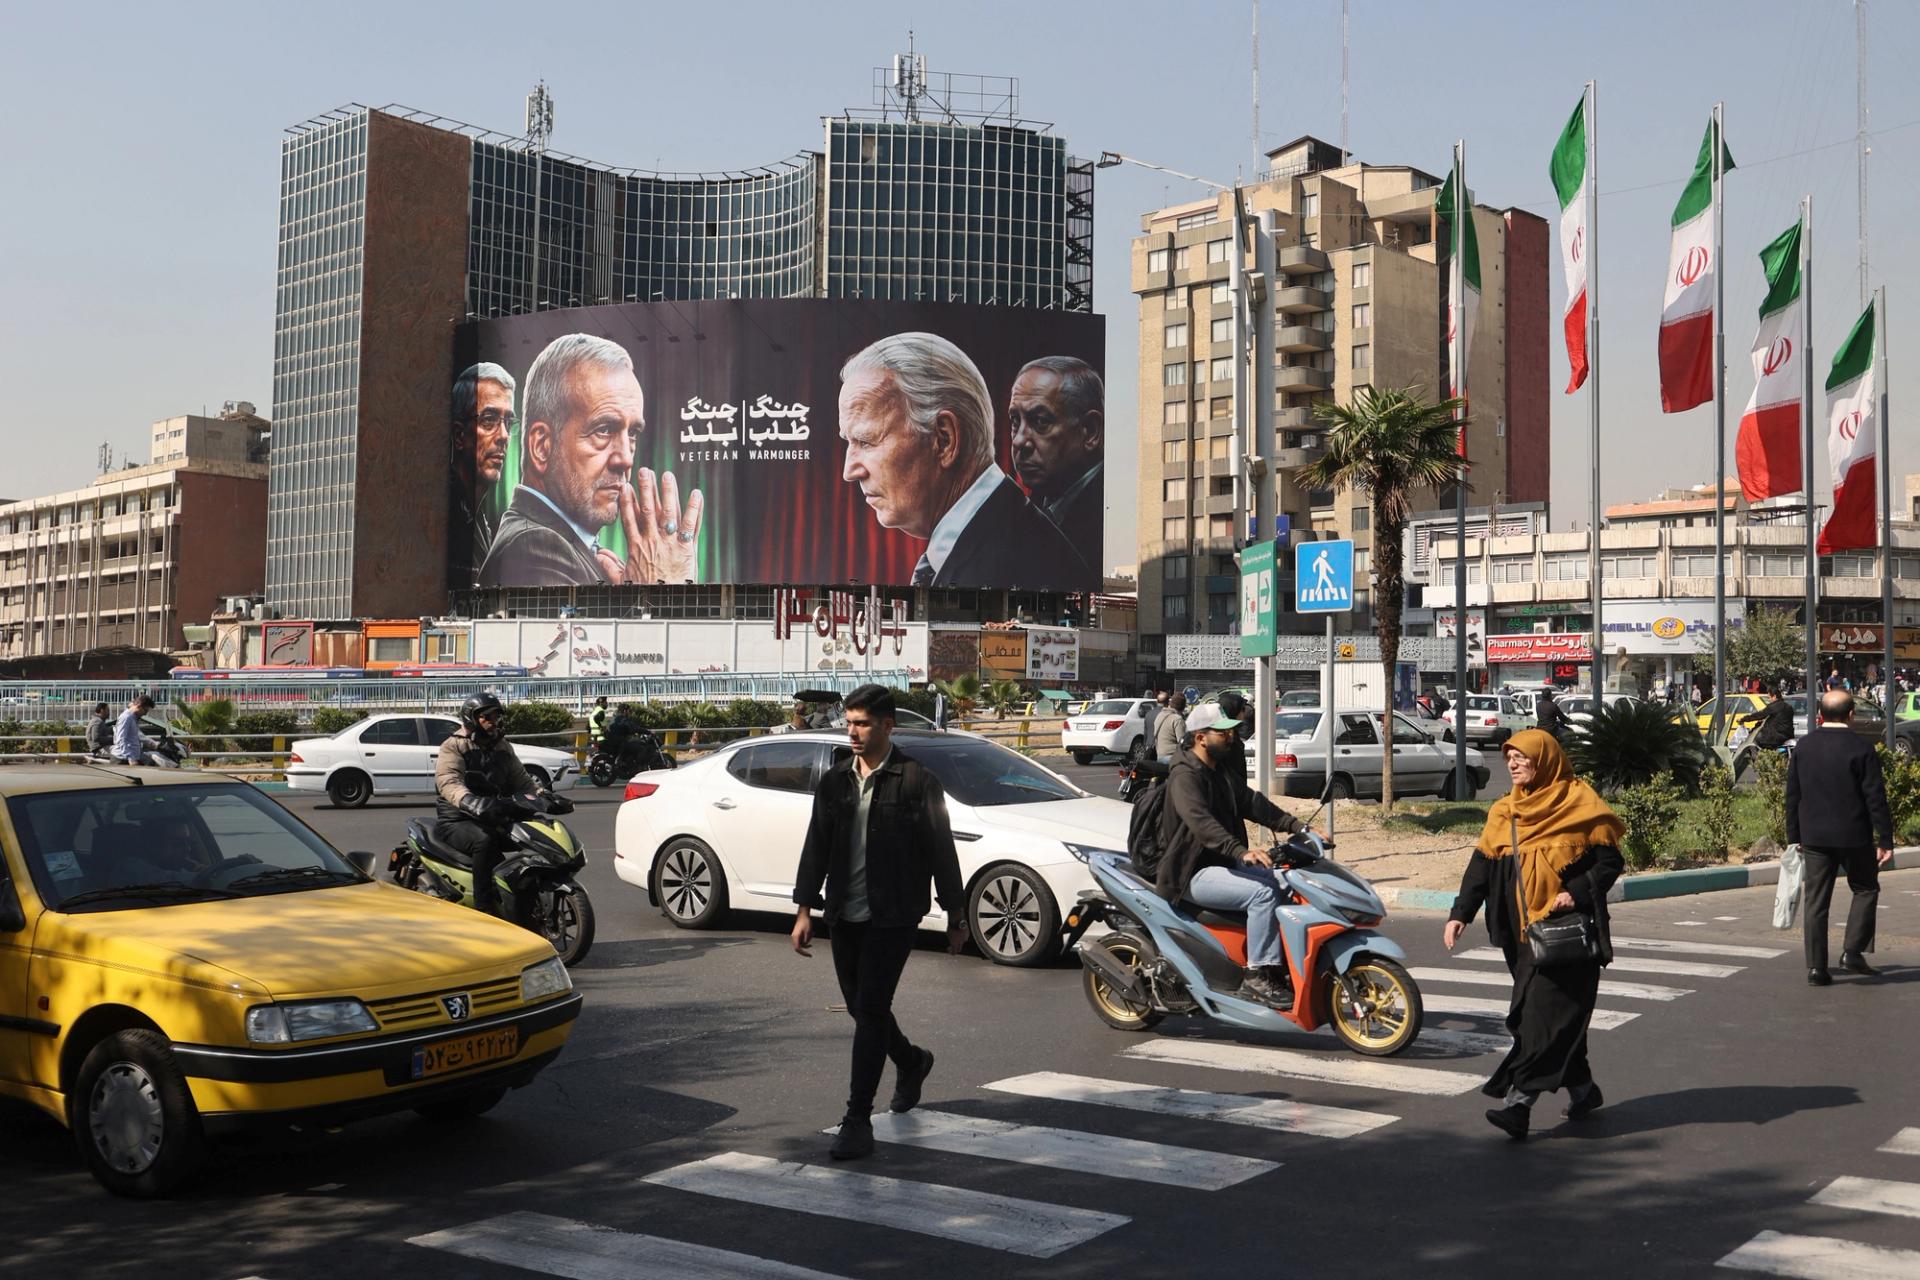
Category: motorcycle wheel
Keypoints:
(600, 771)
(1110, 1006)
(566, 921)
(1389, 1019)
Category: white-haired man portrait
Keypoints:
(584, 412)
(917, 422)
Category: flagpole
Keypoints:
(1885, 461)
(1457, 304)
(1806, 451)
(1719, 436)
(1593, 378)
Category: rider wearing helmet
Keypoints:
(472, 817)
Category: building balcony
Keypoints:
(1300, 337)
(1299, 260)
(1219, 466)
(1512, 592)
(1220, 505)
(1299, 377)
(1294, 420)
(1300, 299)
(1564, 589)
(1293, 459)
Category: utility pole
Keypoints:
(1812, 606)
(1345, 155)
(1719, 430)
(1861, 149)
(1257, 155)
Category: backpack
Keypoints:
(1143, 830)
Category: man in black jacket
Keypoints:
(1774, 721)
(879, 833)
(1837, 813)
(1205, 859)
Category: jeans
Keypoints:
(1252, 890)
(868, 960)
(1823, 867)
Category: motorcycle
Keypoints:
(164, 751)
(638, 752)
(1160, 957)
(535, 879)
(1137, 775)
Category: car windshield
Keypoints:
(1575, 706)
(1296, 724)
(1112, 708)
(123, 847)
(985, 774)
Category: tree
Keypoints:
(1388, 443)
(963, 693)
(1771, 646)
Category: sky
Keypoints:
(139, 239)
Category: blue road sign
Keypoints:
(1323, 577)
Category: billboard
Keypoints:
(1644, 628)
(581, 649)
(789, 441)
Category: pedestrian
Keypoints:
(1169, 728)
(878, 835)
(1837, 813)
(1148, 720)
(1551, 846)
(100, 730)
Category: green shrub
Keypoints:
(1628, 744)
(331, 720)
(650, 715)
(528, 718)
(918, 700)
(278, 723)
(1770, 780)
(751, 713)
(1650, 811)
(1903, 789)
(1716, 820)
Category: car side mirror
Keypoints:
(13, 917)
(362, 861)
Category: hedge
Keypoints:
(282, 724)
(331, 720)
(529, 718)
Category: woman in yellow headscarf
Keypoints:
(1551, 846)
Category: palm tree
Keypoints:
(1388, 443)
(963, 693)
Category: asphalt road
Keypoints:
(1735, 1103)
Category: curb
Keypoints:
(1660, 884)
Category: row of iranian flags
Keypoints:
(1768, 446)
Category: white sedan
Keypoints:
(394, 755)
(1115, 726)
(726, 831)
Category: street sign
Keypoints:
(1323, 577)
(1258, 606)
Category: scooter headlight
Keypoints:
(1081, 852)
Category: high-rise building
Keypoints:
(1362, 302)
(395, 226)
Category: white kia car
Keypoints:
(726, 831)
(1115, 727)
(394, 755)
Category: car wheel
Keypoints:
(349, 789)
(1342, 788)
(1903, 744)
(134, 1118)
(689, 885)
(1082, 757)
(542, 780)
(1451, 790)
(466, 1107)
(1012, 917)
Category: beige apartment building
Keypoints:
(1361, 302)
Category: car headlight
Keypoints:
(548, 978)
(1081, 851)
(309, 1020)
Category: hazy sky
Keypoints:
(137, 276)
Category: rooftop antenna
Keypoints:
(106, 457)
(1344, 156)
(539, 117)
(1256, 86)
(1860, 135)
(910, 77)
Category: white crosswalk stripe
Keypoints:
(1483, 978)
(1095, 1153)
(582, 1251)
(1032, 1228)
(1195, 1104)
(1904, 1143)
(1822, 1258)
(1490, 1007)
(1871, 1195)
(1632, 964)
(1364, 1073)
(1698, 948)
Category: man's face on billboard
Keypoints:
(1050, 449)
(900, 470)
(492, 423)
(585, 462)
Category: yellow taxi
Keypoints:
(181, 957)
(1737, 706)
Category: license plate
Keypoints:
(465, 1051)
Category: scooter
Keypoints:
(1159, 958)
(535, 879)
(164, 751)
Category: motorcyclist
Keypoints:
(1547, 714)
(471, 820)
(130, 746)
(1774, 721)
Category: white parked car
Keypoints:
(1115, 726)
(726, 831)
(1578, 707)
(1490, 717)
(1420, 765)
(394, 755)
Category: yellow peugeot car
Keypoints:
(180, 957)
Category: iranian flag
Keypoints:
(1768, 447)
(1686, 321)
(1456, 210)
(1852, 428)
(1569, 170)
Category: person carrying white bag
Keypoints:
(1786, 894)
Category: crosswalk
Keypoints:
(1464, 1028)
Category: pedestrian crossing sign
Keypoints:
(1323, 577)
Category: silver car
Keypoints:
(1420, 765)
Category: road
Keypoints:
(689, 1106)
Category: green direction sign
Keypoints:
(1258, 600)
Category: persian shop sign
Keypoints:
(1664, 626)
(1561, 648)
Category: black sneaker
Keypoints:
(1586, 1104)
(1511, 1121)
(907, 1082)
(855, 1138)
(1260, 989)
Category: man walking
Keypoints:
(1837, 813)
(878, 835)
(1169, 727)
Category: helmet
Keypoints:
(473, 708)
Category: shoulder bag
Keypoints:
(1567, 938)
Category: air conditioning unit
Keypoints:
(1543, 628)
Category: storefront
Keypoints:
(1651, 643)
(1559, 660)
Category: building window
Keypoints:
(1181, 257)
(1174, 375)
(1362, 314)
(1173, 608)
(1176, 335)
(1190, 220)
(1173, 568)
(1571, 567)
(1630, 566)
(1221, 330)
(1362, 519)
(1173, 413)
(1174, 490)
(1362, 563)
(1220, 448)
(1156, 259)
(1221, 291)
(1449, 572)
(1363, 275)
(1176, 300)
(1843, 566)
(1220, 526)
(1696, 565)
(1220, 407)
(1221, 487)
(1220, 369)
(1173, 529)
(1217, 250)
(1173, 451)
(1513, 569)
(1363, 356)
(1310, 205)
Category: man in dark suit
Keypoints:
(918, 425)
(1837, 813)
(1058, 414)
